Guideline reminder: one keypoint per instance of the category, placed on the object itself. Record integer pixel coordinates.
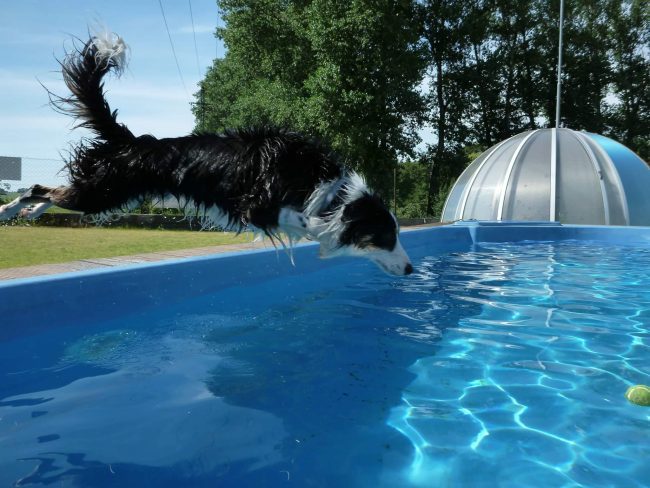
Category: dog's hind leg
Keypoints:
(34, 211)
(10, 209)
(14, 207)
(42, 197)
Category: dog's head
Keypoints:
(363, 226)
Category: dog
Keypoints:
(273, 180)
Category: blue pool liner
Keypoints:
(28, 304)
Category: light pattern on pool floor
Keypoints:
(502, 366)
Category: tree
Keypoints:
(259, 80)
(445, 30)
(344, 71)
(412, 189)
(630, 113)
(350, 72)
(586, 65)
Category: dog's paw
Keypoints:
(292, 221)
(24, 213)
(33, 211)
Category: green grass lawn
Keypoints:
(25, 246)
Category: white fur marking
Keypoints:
(393, 262)
(292, 223)
(327, 228)
(10, 209)
(212, 217)
(110, 48)
(351, 185)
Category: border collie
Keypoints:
(271, 180)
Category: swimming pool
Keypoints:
(502, 361)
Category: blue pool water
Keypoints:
(493, 365)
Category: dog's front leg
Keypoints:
(292, 222)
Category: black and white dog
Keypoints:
(273, 180)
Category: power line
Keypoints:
(216, 36)
(171, 43)
(41, 159)
(196, 49)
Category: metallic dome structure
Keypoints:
(554, 175)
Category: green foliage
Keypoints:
(146, 206)
(412, 178)
(629, 116)
(365, 75)
(344, 71)
(4, 193)
(413, 182)
(152, 206)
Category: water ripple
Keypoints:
(532, 368)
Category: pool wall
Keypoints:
(28, 305)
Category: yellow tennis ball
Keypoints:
(639, 395)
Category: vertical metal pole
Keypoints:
(559, 68)
(553, 196)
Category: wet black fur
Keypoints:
(249, 173)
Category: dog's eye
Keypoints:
(384, 241)
(365, 242)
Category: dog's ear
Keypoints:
(358, 209)
(368, 223)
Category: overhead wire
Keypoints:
(171, 43)
(196, 49)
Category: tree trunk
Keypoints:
(485, 119)
(507, 125)
(442, 127)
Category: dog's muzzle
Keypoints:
(395, 262)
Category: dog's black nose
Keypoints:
(409, 269)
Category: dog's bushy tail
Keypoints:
(83, 72)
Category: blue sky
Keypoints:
(150, 96)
